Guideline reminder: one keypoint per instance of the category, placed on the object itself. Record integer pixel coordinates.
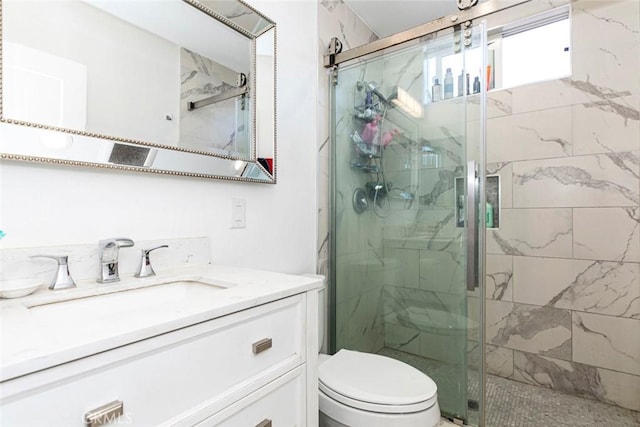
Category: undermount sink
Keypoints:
(114, 302)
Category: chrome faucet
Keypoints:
(108, 253)
(145, 269)
(62, 279)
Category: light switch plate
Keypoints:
(238, 213)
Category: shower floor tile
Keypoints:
(514, 404)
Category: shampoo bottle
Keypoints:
(436, 91)
(448, 84)
(489, 215)
(461, 84)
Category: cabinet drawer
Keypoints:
(281, 403)
(160, 378)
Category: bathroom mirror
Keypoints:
(180, 87)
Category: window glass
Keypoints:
(536, 55)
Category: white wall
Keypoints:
(43, 205)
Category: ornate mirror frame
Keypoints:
(21, 140)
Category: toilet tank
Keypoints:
(322, 310)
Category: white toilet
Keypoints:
(367, 390)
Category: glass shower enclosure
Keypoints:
(407, 198)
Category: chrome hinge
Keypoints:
(333, 73)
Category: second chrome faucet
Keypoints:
(108, 250)
(145, 269)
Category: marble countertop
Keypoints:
(29, 343)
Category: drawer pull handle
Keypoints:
(104, 414)
(264, 423)
(262, 345)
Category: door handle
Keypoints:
(472, 225)
(262, 345)
(104, 415)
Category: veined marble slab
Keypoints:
(499, 277)
(359, 273)
(402, 267)
(605, 23)
(579, 380)
(449, 349)
(606, 341)
(402, 338)
(355, 233)
(534, 135)
(607, 234)
(437, 187)
(541, 330)
(596, 180)
(337, 20)
(605, 49)
(548, 94)
(499, 103)
(560, 93)
(499, 361)
(442, 271)
(592, 286)
(430, 229)
(426, 310)
(532, 232)
(609, 125)
(365, 323)
(219, 126)
(342, 324)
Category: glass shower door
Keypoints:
(407, 163)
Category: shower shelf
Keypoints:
(366, 168)
(364, 119)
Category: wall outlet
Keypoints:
(238, 213)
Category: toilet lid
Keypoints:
(370, 382)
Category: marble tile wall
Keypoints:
(563, 270)
(335, 20)
(218, 127)
(359, 254)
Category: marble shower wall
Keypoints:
(359, 265)
(563, 270)
(220, 127)
(335, 20)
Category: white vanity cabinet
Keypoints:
(249, 368)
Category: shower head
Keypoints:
(373, 88)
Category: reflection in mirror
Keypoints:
(99, 45)
(159, 73)
(240, 14)
(214, 107)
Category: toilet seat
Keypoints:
(376, 383)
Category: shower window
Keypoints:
(538, 54)
(528, 51)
